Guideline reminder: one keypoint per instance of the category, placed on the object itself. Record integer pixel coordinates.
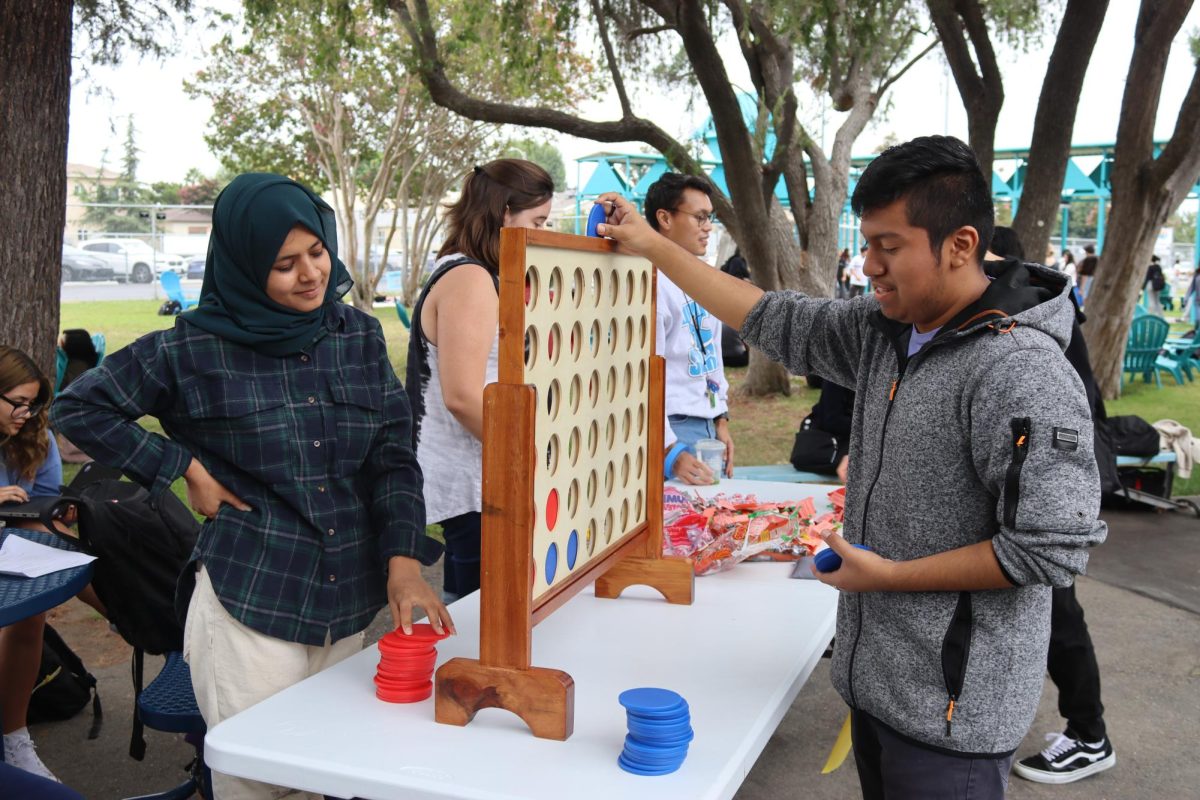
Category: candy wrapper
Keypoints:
(724, 530)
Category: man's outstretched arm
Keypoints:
(727, 298)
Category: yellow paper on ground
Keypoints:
(841, 749)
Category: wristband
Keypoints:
(672, 457)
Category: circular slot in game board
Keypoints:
(629, 288)
(574, 393)
(591, 488)
(589, 539)
(612, 336)
(608, 526)
(641, 376)
(572, 549)
(573, 447)
(628, 334)
(556, 285)
(577, 287)
(573, 498)
(639, 462)
(614, 287)
(552, 399)
(625, 425)
(554, 347)
(624, 515)
(596, 288)
(551, 562)
(627, 380)
(531, 288)
(624, 470)
(637, 503)
(641, 419)
(609, 472)
(610, 385)
(531, 347)
(552, 509)
(645, 287)
(594, 338)
(552, 455)
(642, 328)
(576, 341)
(593, 438)
(610, 432)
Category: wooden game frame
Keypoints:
(503, 676)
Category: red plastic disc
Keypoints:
(552, 509)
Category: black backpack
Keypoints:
(142, 548)
(64, 686)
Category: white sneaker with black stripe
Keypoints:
(1066, 760)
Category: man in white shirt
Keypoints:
(858, 278)
(688, 337)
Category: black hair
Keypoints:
(940, 179)
(1006, 244)
(667, 191)
(78, 345)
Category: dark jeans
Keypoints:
(25, 784)
(1072, 666)
(893, 768)
(460, 568)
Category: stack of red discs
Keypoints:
(405, 673)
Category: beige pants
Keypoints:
(234, 667)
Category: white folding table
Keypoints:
(739, 655)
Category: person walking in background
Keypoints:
(1087, 270)
(841, 287)
(453, 352)
(857, 279)
(1155, 282)
(294, 437)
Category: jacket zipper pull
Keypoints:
(892, 394)
(949, 714)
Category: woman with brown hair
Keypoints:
(453, 350)
(31, 469)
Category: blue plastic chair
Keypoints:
(168, 704)
(1147, 334)
(174, 291)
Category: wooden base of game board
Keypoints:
(543, 698)
(672, 576)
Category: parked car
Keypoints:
(134, 259)
(195, 268)
(78, 265)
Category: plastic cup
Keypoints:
(711, 452)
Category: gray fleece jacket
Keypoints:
(983, 435)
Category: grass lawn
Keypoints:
(762, 427)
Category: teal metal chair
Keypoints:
(1147, 335)
(174, 291)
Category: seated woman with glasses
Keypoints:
(31, 469)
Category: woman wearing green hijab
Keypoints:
(293, 434)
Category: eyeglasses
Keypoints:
(23, 410)
(701, 219)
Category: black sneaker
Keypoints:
(1067, 759)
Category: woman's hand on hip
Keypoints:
(406, 589)
(206, 494)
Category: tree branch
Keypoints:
(887, 82)
(614, 70)
(1180, 157)
(653, 30)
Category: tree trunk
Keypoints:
(1051, 140)
(773, 256)
(982, 91)
(1146, 186)
(35, 94)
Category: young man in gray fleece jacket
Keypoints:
(972, 478)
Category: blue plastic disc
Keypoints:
(670, 714)
(653, 734)
(635, 747)
(572, 549)
(551, 563)
(640, 770)
(595, 217)
(830, 561)
(649, 700)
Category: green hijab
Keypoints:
(251, 219)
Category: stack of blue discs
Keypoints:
(660, 727)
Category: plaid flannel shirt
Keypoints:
(317, 443)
